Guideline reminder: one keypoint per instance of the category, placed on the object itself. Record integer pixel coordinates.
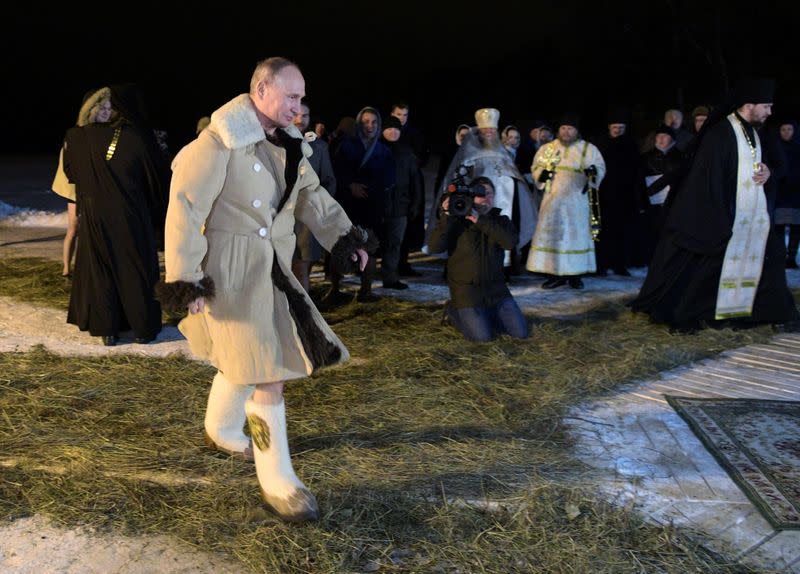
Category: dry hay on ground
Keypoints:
(418, 420)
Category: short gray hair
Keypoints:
(267, 69)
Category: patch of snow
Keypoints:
(13, 216)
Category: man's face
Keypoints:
(462, 133)
(567, 134)
(787, 132)
(488, 135)
(401, 114)
(663, 141)
(279, 101)
(487, 201)
(319, 129)
(391, 134)
(302, 119)
(545, 136)
(616, 130)
(369, 125)
(759, 114)
(512, 139)
(698, 122)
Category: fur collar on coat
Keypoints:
(237, 125)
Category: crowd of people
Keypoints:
(260, 196)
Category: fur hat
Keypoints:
(487, 118)
(90, 100)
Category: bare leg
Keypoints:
(69, 238)
(281, 490)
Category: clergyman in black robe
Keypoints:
(617, 195)
(683, 280)
(122, 182)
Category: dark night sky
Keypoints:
(446, 59)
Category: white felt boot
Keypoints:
(225, 417)
(282, 491)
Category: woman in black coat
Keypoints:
(121, 181)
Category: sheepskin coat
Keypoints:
(229, 221)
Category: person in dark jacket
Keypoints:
(403, 202)
(481, 306)
(787, 209)
(308, 250)
(663, 159)
(364, 170)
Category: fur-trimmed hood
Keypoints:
(90, 101)
(236, 124)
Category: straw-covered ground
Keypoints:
(406, 447)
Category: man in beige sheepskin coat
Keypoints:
(236, 191)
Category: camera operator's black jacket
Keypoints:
(475, 266)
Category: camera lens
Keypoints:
(460, 205)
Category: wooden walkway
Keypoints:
(647, 456)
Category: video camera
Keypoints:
(461, 193)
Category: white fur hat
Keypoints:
(487, 118)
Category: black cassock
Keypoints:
(683, 277)
(617, 202)
(121, 202)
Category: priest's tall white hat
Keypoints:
(487, 118)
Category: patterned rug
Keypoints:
(758, 443)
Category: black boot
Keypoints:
(576, 283)
(554, 282)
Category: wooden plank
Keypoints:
(694, 387)
(743, 389)
(784, 352)
(760, 377)
(757, 355)
(651, 398)
(761, 363)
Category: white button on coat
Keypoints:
(256, 203)
(262, 232)
(257, 166)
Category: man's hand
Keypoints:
(197, 305)
(545, 175)
(590, 171)
(762, 175)
(358, 190)
(361, 256)
(446, 203)
(473, 217)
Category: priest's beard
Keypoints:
(566, 142)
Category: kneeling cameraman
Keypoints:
(481, 306)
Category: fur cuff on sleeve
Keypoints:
(177, 295)
(347, 244)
